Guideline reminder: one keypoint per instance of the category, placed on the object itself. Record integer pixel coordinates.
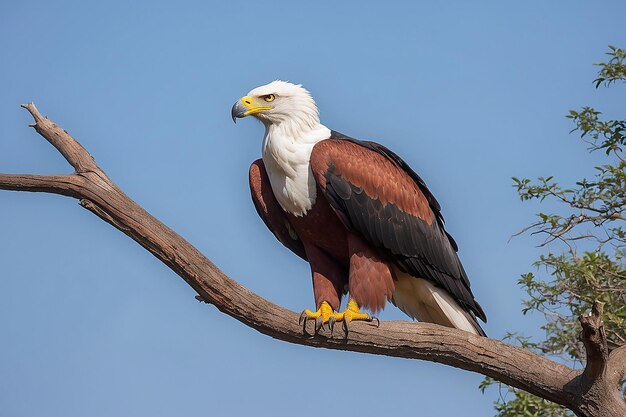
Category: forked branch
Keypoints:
(506, 363)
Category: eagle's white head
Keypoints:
(277, 103)
(292, 128)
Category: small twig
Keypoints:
(74, 153)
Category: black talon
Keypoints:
(371, 319)
(331, 324)
(345, 326)
(318, 324)
(302, 318)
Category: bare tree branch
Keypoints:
(55, 184)
(72, 151)
(506, 363)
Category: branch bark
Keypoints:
(593, 392)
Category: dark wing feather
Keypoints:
(392, 156)
(377, 194)
(270, 211)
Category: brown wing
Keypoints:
(270, 211)
(375, 193)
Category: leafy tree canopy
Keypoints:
(591, 267)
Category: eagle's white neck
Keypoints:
(286, 151)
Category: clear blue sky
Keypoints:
(469, 93)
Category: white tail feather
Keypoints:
(423, 301)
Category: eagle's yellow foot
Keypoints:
(352, 312)
(321, 316)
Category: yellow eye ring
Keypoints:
(269, 97)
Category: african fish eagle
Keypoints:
(363, 219)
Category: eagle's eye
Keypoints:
(269, 97)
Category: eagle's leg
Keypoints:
(351, 313)
(328, 283)
(370, 281)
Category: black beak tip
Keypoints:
(236, 111)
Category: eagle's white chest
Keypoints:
(286, 160)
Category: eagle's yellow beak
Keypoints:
(246, 106)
